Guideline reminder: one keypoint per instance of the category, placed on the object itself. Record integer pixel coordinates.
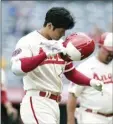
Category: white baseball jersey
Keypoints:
(47, 76)
(88, 96)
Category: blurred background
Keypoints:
(21, 17)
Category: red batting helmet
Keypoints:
(106, 41)
(82, 42)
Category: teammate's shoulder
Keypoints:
(88, 61)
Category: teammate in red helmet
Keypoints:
(106, 46)
(37, 58)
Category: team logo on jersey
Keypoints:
(17, 51)
(106, 78)
(52, 60)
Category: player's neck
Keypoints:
(99, 58)
(44, 33)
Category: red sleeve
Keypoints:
(30, 63)
(69, 66)
(4, 98)
(77, 77)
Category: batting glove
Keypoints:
(96, 84)
(51, 49)
(55, 47)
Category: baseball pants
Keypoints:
(84, 117)
(35, 109)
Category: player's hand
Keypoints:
(96, 84)
(68, 52)
(12, 112)
(52, 45)
(52, 49)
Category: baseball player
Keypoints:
(95, 107)
(37, 58)
(11, 111)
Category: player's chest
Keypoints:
(56, 60)
(53, 65)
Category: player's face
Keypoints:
(106, 55)
(56, 33)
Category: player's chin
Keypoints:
(65, 57)
(108, 60)
(56, 38)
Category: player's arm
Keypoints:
(79, 78)
(75, 76)
(74, 91)
(71, 107)
(7, 104)
(23, 60)
(4, 98)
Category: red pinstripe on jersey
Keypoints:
(32, 108)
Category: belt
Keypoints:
(106, 115)
(57, 98)
(46, 94)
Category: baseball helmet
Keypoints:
(106, 41)
(82, 42)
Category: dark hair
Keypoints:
(60, 18)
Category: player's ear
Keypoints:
(50, 26)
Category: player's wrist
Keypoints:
(96, 84)
(7, 105)
(93, 82)
(48, 54)
(44, 54)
